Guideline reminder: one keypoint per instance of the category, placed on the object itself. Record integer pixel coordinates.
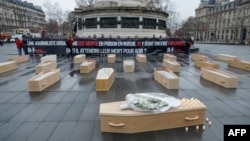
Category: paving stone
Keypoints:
(42, 112)
(8, 128)
(13, 111)
(63, 131)
(43, 131)
(83, 131)
(74, 112)
(90, 112)
(58, 112)
(23, 132)
(24, 114)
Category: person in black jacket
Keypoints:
(188, 43)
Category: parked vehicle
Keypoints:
(27, 32)
(13, 38)
(5, 37)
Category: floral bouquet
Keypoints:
(150, 102)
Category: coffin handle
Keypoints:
(116, 124)
(44, 84)
(164, 82)
(192, 118)
(222, 81)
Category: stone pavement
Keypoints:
(69, 110)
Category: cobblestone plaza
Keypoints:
(69, 110)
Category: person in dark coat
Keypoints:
(187, 46)
(24, 39)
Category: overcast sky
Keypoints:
(184, 7)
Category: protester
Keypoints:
(102, 36)
(19, 45)
(24, 40)
(1, 42)
(188, 44)
(69, 43)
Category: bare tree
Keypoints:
(49, 9)
(170, 8)
(55, 16)
(188, 27)
(52, 27)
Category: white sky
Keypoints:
(184, 7)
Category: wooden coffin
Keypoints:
(191, 112)
(48, 58)
(169, 56)
(141, 58)
(166, 78)
(225, 57)
(219, 77)
(20, 59)
(87, 66)
(7, 66)
(172, 64)
(204, 64)
(128, 65)
(240, 64)
(199, 57)
(44, 80)
(111, 58)
(45, 66)
(79, 58)
(104, 79)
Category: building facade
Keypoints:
(223, 21)
(20, 14)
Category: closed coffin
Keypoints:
(240, 64)
(20, 59)
(203, 64)
(128, 121)
(48, 58)
(225, 57)
(128, 65)
(45, 66)
(111, 58)
(141, 58)
(169, 56)
(172, 64)
(43, 80)
(166, 78)
(199, 57)
(79, 58)
(104, 79)
(219, 77)
(7, 66)
(87, 66)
